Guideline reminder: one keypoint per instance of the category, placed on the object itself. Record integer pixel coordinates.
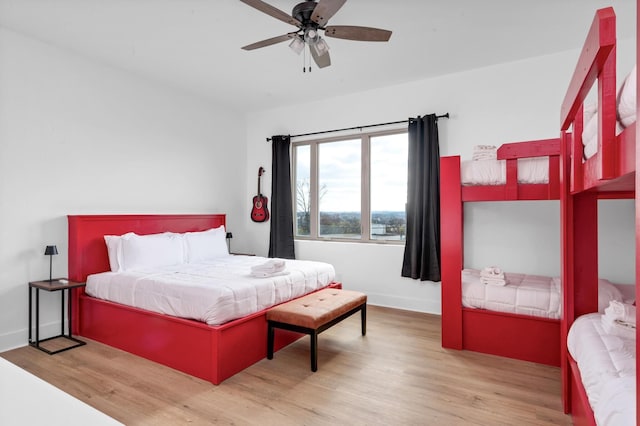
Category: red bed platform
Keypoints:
(212, 353)
(515, 336)
(608, 174)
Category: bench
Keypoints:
(314, 313)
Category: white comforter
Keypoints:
(213, 292)
(494, 172)
(533, 295)
(625, 109)
(607, 365)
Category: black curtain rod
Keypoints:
(446, 115)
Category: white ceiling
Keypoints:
(195, 44)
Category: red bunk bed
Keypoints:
(610, 173)
(516, 336)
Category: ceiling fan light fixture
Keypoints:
(311, 36)
(297, 45)
(321, 47)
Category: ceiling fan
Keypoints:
(311, 16)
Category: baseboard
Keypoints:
(18, 339)
(406, 303)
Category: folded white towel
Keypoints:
(618, 328)
(493, 281)
(271, 265)
(621, 312)
(264, 274)
(485, 152)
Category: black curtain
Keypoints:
(422, 248)
(281, 236)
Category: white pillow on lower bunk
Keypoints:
(606, 293)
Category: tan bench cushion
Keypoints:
(317, 309)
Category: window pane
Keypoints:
(389, 155)
(339, 189)
(303, 190)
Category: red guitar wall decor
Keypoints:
(259, 212)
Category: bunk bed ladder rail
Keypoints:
(598, 53)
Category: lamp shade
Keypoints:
(51, 250)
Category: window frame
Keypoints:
(365, 187)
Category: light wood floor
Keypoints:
(397, 375)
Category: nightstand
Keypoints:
(58, 284)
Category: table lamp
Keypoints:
(229, 237)
(50, 251)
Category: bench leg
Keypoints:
(363, 319)
(314, 350)
(270, 341)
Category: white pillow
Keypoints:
(606, 293)
(149, 251)
(114, 250)
(206, 245)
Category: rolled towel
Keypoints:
(621, 312)
(271, 265)
(492, 272)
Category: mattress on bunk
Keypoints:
(625, 110)
(607, 364)
(214, 292)
(533, 295)
(494, 172)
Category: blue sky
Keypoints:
(340, 172)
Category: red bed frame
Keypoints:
(212, 353)
(608, 174)
(515, 336)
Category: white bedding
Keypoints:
(494, 172)
(607, 365)
(534, 295)
(625, 110)
(214, 292)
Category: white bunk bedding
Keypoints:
(215, 291)
(625, 110)
(607, 364)
(494, 172)
(533, 295)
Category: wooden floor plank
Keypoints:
(397, 374)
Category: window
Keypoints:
(351, 188)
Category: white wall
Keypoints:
(505, 103)
(77, 137)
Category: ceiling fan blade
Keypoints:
(272, 11)
(325, 10)
(269, 41)
(350, 32)
(321, 61)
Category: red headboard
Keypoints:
(88, 251)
